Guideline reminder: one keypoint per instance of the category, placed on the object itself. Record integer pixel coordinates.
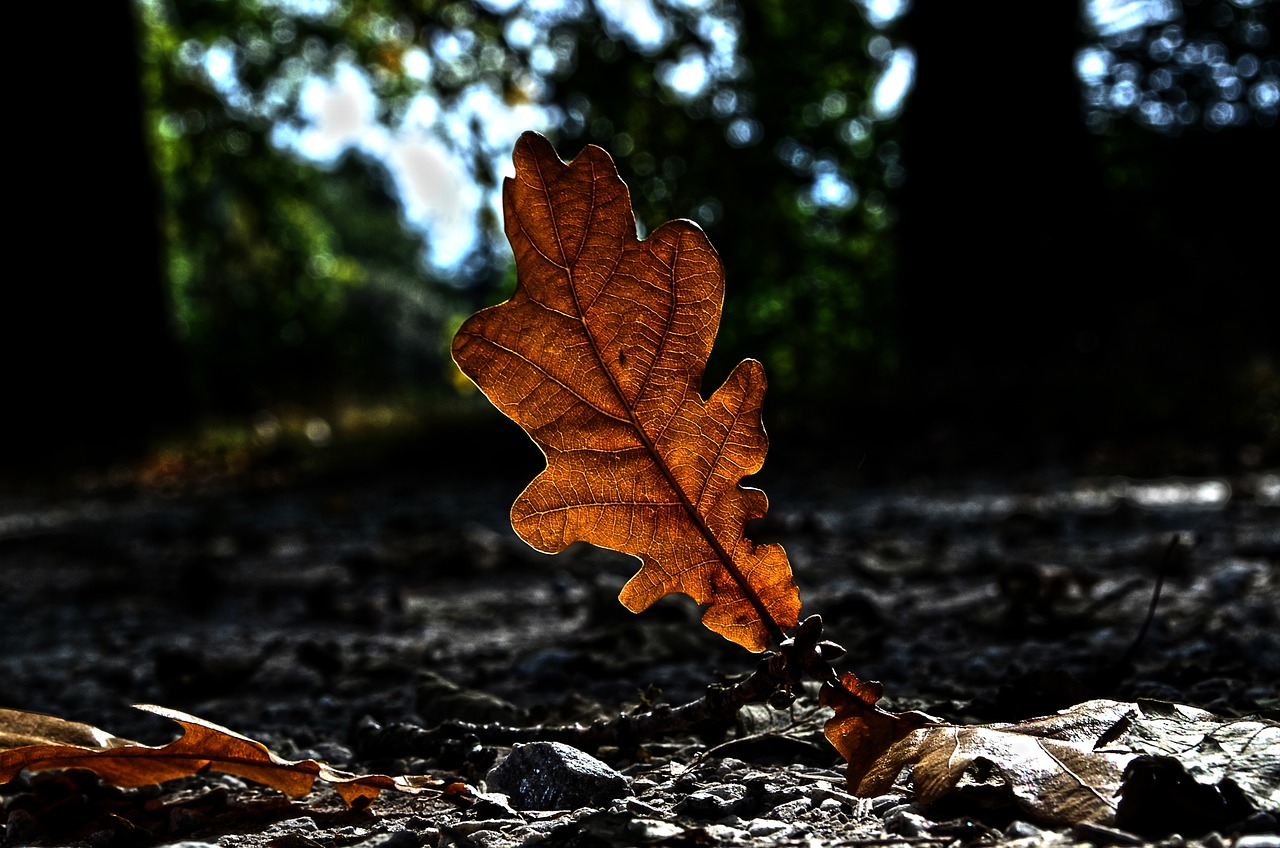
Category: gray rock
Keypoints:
(905, 821)
(766, 827)
(723, 833)
(555, 776)
(792, 810)
(714, 802)
(1022, 830)
(1258, 841)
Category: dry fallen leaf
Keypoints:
(1209, 748)
(39, 743)
(860, 730)
(1067, 768)
(599, 356)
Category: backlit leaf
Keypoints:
(599, 356)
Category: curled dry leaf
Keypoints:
(599, 356)
(860, 730)
(1068, 768)
(40, 743)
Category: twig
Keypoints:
(773, 681)
(1155, 600)
(719, 702)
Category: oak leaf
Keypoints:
(599, 356)
(40, 742)
(1210, 749)
(1072, 767)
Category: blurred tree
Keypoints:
(775, 159)
(91, 368)
(1071, 267)
(272, 262)
(776, 154)
(1019, 273)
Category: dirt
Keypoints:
(296, 612)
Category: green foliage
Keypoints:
(291, 281)
(810, 282)
(284, 277)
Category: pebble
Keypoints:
(831, 806)
(1022, 830)
(766, 827)
(882, 804)
(1258, 841)
(555, 776)
(725, 833)
(493, 805)
(645, 831)
(792, 810)
(714, 802)
(644, 809)
(905, 821)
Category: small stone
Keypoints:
(714, 802)
(718, 833)
(555, 776)
(644, 809)
(766, 827)
(1022, 830)
(904, 821)
(645, 831)
(493, 805)
(1258, 841)
(783, 795)
(882, 804)
(831, 806)
(792, 810)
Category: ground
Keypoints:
(297, 608)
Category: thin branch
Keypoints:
(719, 703)
(1155, 600)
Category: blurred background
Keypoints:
(991, 234)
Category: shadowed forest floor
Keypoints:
(292, 611)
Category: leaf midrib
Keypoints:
(774, 629)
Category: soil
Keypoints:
(297, 608)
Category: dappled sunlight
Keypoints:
(443, 146)
(340, 115)
(436, 196)
(1153, 62)
(1174, 493)
(894, 84)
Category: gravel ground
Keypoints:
(297, 612)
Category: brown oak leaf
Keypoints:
(860, 730)
(40, 742)
(599, 356)
(1072, 767)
